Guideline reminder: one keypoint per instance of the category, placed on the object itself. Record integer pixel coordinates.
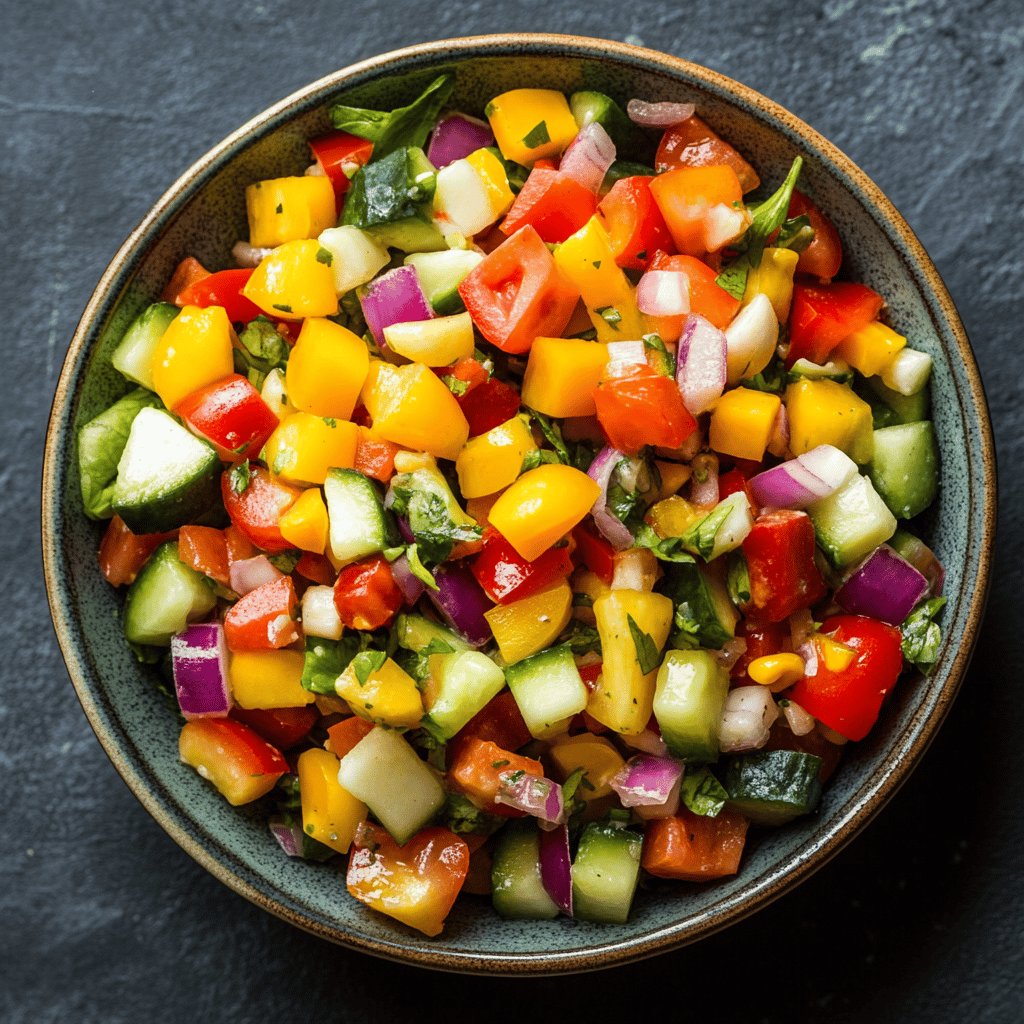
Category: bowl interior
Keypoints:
(205, 214)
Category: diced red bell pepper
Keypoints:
(763, 638)
(223, 288)
(488, 405)
(205, 550)
(780, 562)
(635, 226)
(590, 675)
(594, 551)
(552, 203)
(732, 482)
(693, 847)
(692, 143)
(506, 576)
(824, 256)
(257, 510)
(282, 727)
(186, 273)
(316, 569)
(498, 721)
(123, 553)
(823, 315)
(849, 699)
(640, 406)
(475, 770)
(366, 594)
(516, 293)
(470, 372)
(340, 155)
(231, 415)
(707, 296)
(264, 619)
(344, 735)
(375, 457)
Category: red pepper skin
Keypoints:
(223, 288)
(642, 407)
(590, 675)
(257, 511)
(506, 576)
(780, 561)
(823, 315)
(824, 256)
(366, 594)
(316, 569)
(231, 415)
(281, 727)
(488, 405)
(763, 638)
(635, 225)
(375, 457)
(123, 553)
(241, 764)
(336, 151)
(554, 204)
(264, 619)
(849, 700)
(594, 551)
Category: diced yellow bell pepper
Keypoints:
(531, 124)
(389, 696)
(741, 423)
(286, 209)
(304, 447)
(673, 476)
(595, 755)
(330, 813)
(411, 406)
(587, 262)
(561, 375)
(268, 679)
(493, 460)
(438, 342)
(305, 523)
(542, 506)
(492, 174)
(326, 369)
(826, 412)
(624, 697)
(773, 277)
(871, 349)
(194, 351)
(292, 283)
(673, 516)
(527, 626)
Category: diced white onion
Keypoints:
(319, 615)
(751, 339)
(747, 719)
(909, 371)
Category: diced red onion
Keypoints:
(456, 137)
(731, 652)
(925, 561)
(778, 440)
(199, 658)
(799, 721)
(649, 741)
(246, 255)
(884, 586)
(646, 780)
(749, 714)
(659, 115)
(556, 867)
(668, 809)
(704, 491)
(289, 837)
(394, 298)
(801, 626)
(804, 480)
(610, 526)
(462, 603)
(663, 293)
(247, 574)
(534, 795)
(589, 156)
(410, 585)
(701, 366)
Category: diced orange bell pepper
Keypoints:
(326, 369)
(475, 770)
(634, 224)
(292, 283)
(264, 619)
(827, 412)
(194, 351)
(305, 524)
(530, 624)
(685, 196)
(693, 847)
(287, 209)
(561, 375)
(742, 421)
(344, 735)
(870, 349)
(531, 124)
(304, 447)
(493, 460)
(595, 755)
(692, 143)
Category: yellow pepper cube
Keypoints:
(303, 448)
(330, 813)
(287, 209)
(531, 124)
(742, 422)
(326, 369)
(825, 412)
(595, 755)
(871, 349)
(542, 506)
(492, 174)
(561, 375)
(438, 342)
(493, 460)
(411, 406)
(524, 627)
(773, 277)
(305, 524)
(387, 695)
(624, 697)
(586, 260)
(673, 516)
(194, 351)
(293, 283)
(268, 679)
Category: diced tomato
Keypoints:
(316, 569)
(471, 372)
(636, 228)
(590, 675)
(780, 562)
(258, 509)
(283, 727)
(685, 196)
(264, 619)
(488, 405)
(498, 721)
(375, 457)
(205, 550)
(516, 294)
(231, 415)
(475, 770)
(594, 551)
(340, 155)
(223, 289)
(123, 553)
(823, 315)
(552, 203)
(366, 594)
(506, 576)
(763, 638)
(692, 143)
(417, 883)
(707, 296)
(693, 847)
(238, 545)
(732, 482)
(187, 272)
(848, 700)
(824, 256)
(641, 407)
(344, 735)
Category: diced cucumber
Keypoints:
(462, 683)
(702, 603)
(605, 873)
(906, 408)
(852, 522)
(722, 530)
(355, 256)
(771, 787)
(411, 234)
(416, 632)
(165, 597)
(905, 467)
(516, 887)
(589, 106)
(133, 356)
(834, 369)
(402, 791)
(166, 476)
(441, 273)
(549, 691)
(359, 523)
(688, 702)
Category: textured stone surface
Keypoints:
(104, 919)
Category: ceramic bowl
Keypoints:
(204, 214)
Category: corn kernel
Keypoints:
(837, 656)
(776, 671)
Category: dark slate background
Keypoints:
(102, 917)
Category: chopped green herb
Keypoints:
(647, 655)
(610, 315)
(324, 256)
(922, 636)
(419, 570)
(282, 307)
(365, 663)
(240, 477)
(279, 208)
(538, 135)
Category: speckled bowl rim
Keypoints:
(820, 847)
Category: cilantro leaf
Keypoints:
(583, 639)
(922, 636)
(538, 135)
(738, 579)
(577, 454)
(262, 350)
(365, 663)
(667, 549)
(325, 660)
(701, 537)
(239, 477)
(702, 793)
(796, 233)
(419, 570)
(647, 654)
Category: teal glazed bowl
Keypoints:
(204, 214)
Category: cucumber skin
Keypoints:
(842, 546)
(697, 739)
(517, 890)
(415, 632)
(605, 852)
(338, 482)
(134, 351)
(529, 678)
(772, 787)
(193, 500)
(905, 467)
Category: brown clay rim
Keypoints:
(821, 851)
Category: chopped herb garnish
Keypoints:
(646, 649)
(538, 135)
(324, 256)
(365, 663)
(240, 477)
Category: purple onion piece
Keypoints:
(199, 657)
(556, 867)
(610, 526)
(289, 837)
(804, 480)
(646, 780)
(658, 115)
(394, 298)
(884, 586)
(462, 603)
(410, 585)
(534, 795)
(456, 137)
(248, 574)
(589, 156)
